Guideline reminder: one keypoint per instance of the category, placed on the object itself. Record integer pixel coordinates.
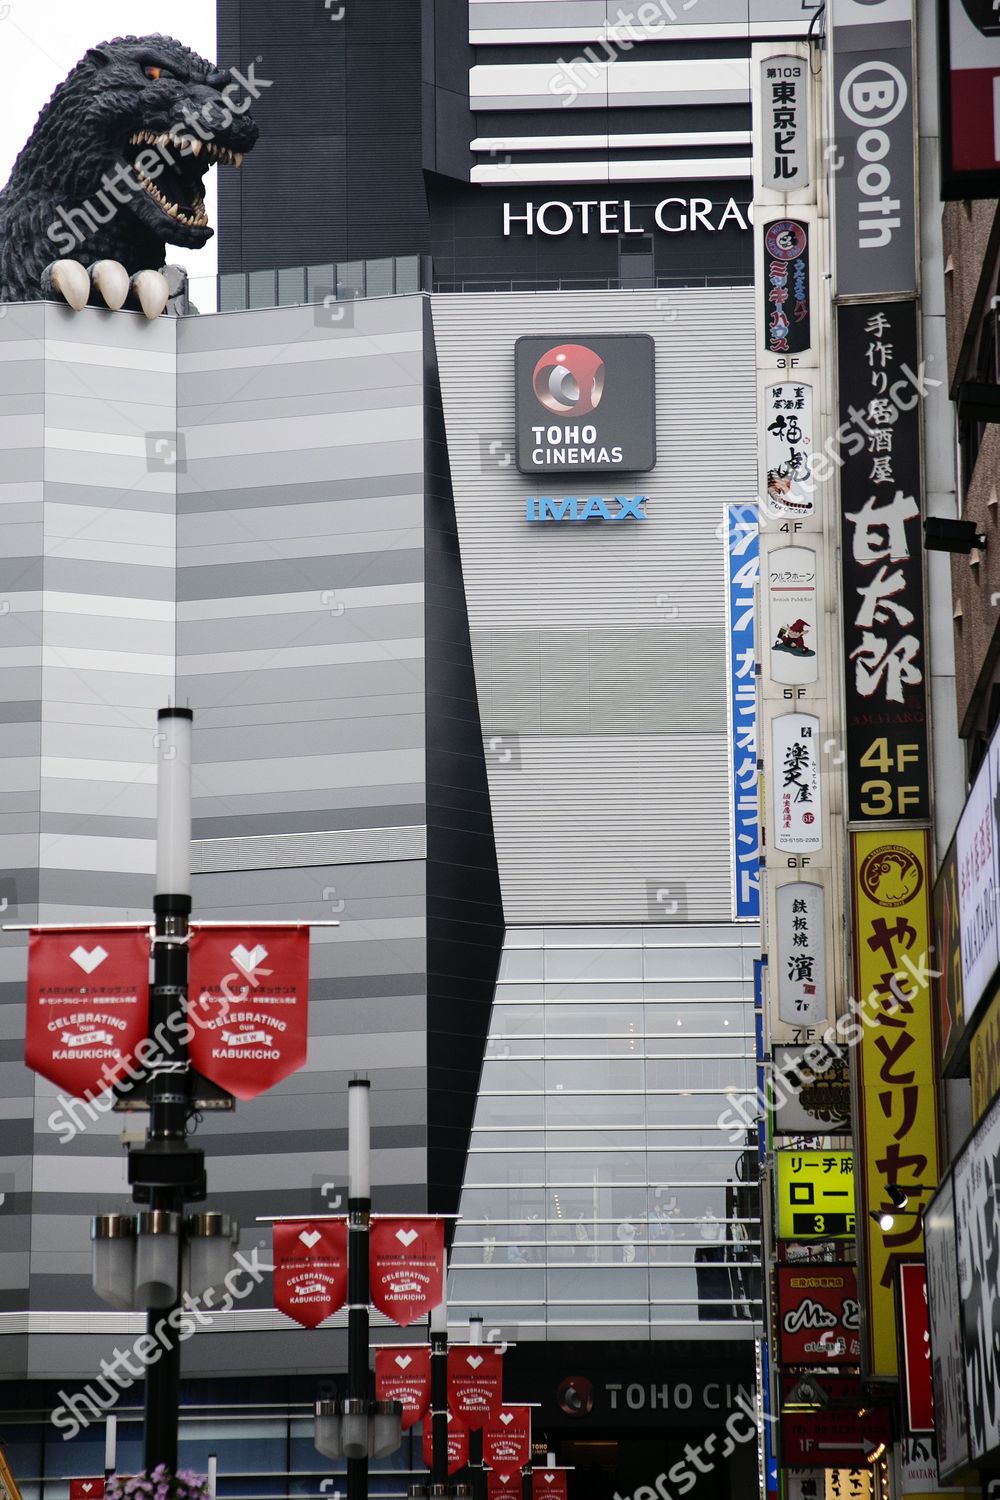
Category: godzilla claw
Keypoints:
(69, 280)
(110, 281)
(150, 290)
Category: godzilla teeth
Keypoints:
(191, 144)
(198, 219)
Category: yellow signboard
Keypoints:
(814, 1192)
(897, 1132)
(849, 1484)
(984, 1057)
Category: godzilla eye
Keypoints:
(153, 73)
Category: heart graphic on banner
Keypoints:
(248, 959)
(87, 1487)
(475, 1360)
(548, 1478)
(506, 1418)
(504, 1478)
(309, 1237)
(89, 959)
(403, 1360)
(406, 1236)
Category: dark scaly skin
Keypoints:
(81, 137)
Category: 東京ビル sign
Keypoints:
(585, 403)
(814, 1194)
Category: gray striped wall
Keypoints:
(599, 649)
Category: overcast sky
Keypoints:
(40, 40)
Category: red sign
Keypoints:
(548, 1482)
(507, 1438)
(310, 1268)
(406, 1266)
(475, 1382)
(88, 1006)
(86, 1489)
(830, 1439)
(249, 1005)
(818, 1315)
(458, 1444)
(403, 1373)
(501, 1482)
(916, 1339)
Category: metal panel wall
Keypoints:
(600, 649)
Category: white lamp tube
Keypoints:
(359, 1138)
(173, 802)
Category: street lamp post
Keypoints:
(476, 1474)
(166, 1172)
(439, 1394)
(359, 1204)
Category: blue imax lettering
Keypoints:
(585, 508)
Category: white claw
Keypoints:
(69, 280)
(111, 279)
(151, 291)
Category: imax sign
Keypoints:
(585, 508)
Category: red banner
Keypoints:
(916, 1341)
(475, 1382)
(458, 1444)
(88, 1006)
(406, 1266)
(501, 1482)
(310, 1268)
(403, 1373)
(507, 1438)
(249, 1005)
(818, 1315)
(86, 1489)
(548, 1482)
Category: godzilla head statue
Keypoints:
(114, 168)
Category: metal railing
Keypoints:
(293, 286)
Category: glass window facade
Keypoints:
(601, 1190)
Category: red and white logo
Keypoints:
(548, 1482)
(406, 1267)
(88, 1006)
(249, 1006)
(507, 1438)
(458, 1444)
(501, 1482)
(310, 1269)
(403, 1373)
(569, 380)
(475, 1382)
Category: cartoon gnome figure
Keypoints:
(792, 638)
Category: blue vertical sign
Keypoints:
(742, 572)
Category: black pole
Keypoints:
(439, 1406)
(168, 1111)
(358, 1291)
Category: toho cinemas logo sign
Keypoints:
(583, 404)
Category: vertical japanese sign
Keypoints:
(800, 959)
(976, 1177)
(88, 1006)
(898, 1115)
(880, 487)
(798, 822)
(791, 591)
(915, 1341)
(875, 179)
(786, 287)
(742, 572)
(784, 106)
(948, 1001)
(976, 853)
(788, 447)
(947, 1363)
